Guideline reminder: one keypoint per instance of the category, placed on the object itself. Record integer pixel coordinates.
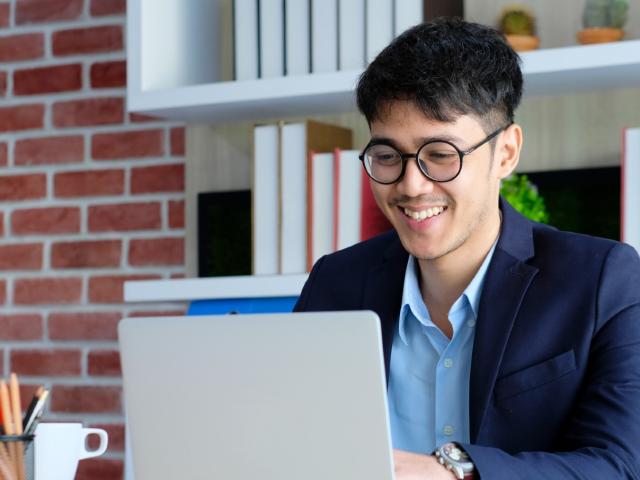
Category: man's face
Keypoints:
(464, 211)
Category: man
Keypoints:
(511, 348)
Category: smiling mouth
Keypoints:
(420, 215)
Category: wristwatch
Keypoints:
(454, 458)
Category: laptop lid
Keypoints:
(270, 396)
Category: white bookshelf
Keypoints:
(175, 62)
(188, 289)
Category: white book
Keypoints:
(379, 26)
(324, 36)
(293, 191)
(245, 39)
(265, 200)
(271, 17)
(349, 197)
(351, 34)
(407, 13)
(630, 187)
(297, 37)
(321, 220)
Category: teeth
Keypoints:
(421, 215)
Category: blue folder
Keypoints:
(242, 305)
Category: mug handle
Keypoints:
(104, 441)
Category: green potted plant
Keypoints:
(524, 197)
(518, 24)
(603, 21)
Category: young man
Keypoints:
(512, 349)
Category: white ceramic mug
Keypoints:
(60, 446)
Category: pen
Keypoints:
(37, 413)
(31, 407)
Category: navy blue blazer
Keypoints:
(555, 374)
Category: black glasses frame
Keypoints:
(404, 157)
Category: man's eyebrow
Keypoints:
(419, 141)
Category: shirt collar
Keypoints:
(412, 301)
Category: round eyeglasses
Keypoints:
(438, 160)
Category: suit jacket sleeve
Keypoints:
(602, 434)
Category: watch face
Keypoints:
(455, 453)
(456, 456)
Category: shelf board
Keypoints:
(187, 289)
(556, 71)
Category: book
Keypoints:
(379, 26)
(245, 39)
(357, 215)
(320, 206)
(324, 36)
(298, 139)
(407, 13)
(442, 8)
(630, 188)
(265, 200)
(351, 34)
(271, 34)
(224, 233)
(348, 187)
(297, 37)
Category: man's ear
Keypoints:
(508, 149)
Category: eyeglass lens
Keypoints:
(439, 160)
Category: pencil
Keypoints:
(14, 387)
(5, 464)
(7, 422)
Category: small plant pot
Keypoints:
(599, 35)
(523, 43)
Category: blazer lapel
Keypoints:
(383, 293)
(505, 285)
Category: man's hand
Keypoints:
(411, 466)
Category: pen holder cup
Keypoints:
(16, 457)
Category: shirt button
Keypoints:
(471, 323)
(448, 430)
(448, 363)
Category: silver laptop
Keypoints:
(296, 396)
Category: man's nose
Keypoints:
(414, 182)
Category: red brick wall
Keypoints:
(90, 196)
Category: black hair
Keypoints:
(448, 67)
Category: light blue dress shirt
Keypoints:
(429, 374)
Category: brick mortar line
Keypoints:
(88, 273)
(124, 309)
(90, 201)
(73, 381)
(84, 293)
(95, 165)
(64, 96)
(58, 25)
(84, 361)
(92, 237)
(97, 129)
(127, 180)
(108, 418)
(67, 274)
(91, 166)
(46, 255)
(52, 61)
(5, 362)
(16, 346)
